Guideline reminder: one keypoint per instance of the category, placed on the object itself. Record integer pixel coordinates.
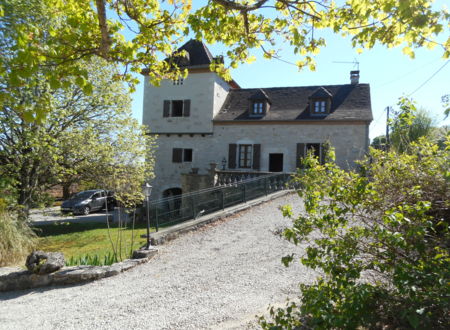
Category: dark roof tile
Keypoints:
(349, 102)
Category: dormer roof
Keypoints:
(321, 93)
(259, 95)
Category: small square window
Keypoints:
(320, 107)
(178, 81)
(187, 155)
(257, 108)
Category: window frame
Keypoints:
(245, 150)
(320, 106)
(258, 108)
(188, 152)
(172, 108)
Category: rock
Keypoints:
(40, 262)
(144, 253)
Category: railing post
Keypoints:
(194, 213)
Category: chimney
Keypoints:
(354, 77)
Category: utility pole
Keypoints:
(388, 141)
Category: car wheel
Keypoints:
(85, 210)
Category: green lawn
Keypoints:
(78, 240)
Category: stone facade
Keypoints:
(220, 122)
(349, 140)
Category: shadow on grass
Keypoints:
(68, 228)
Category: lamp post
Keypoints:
(147, 192)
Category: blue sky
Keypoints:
(390, 73)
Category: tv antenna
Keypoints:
(355, 63)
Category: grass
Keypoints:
(76, 240)
(16, 239)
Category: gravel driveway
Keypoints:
(219, 277)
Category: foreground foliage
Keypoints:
(380, 237)
(16, 239)
(58, 34)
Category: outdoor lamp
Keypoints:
(147, 192)
(224, 163)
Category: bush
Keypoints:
(380, 237)
(42, 199)
(16, 239)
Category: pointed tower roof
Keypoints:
(197, 54)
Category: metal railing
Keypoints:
(172, 210)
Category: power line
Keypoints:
(430, 78)
(407, 74)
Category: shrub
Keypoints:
(16, 239)
(380, 237)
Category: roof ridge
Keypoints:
(309, 86)
(208, 53)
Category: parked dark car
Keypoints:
(88, 201)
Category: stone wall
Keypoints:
(207, 93)
(349, 140)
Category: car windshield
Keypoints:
(83, 195)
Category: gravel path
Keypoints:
(219, 277)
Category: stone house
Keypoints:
(203, 119)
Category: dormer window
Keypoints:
(258, 108)
(259, 104)
(320, 102)
(320, 107)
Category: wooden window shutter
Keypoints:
(166, 112)
(300, 154)
(256, 156)
(187, 108)
(232, 155)
(177, 155)
(323, 152)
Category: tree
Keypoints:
(409, 125)
(378, 237)
(379, 142)
(38, 34)
(90, 137)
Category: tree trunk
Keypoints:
(66, 190)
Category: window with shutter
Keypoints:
(256, 156)
(187, 108)
(300, 154)
(177, 155)
(177, 108)
(187, 155)
(245, 156)
(232, 156)
(166, 112)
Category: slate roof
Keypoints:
(349, 103)
(198, 54)
(259, 94)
